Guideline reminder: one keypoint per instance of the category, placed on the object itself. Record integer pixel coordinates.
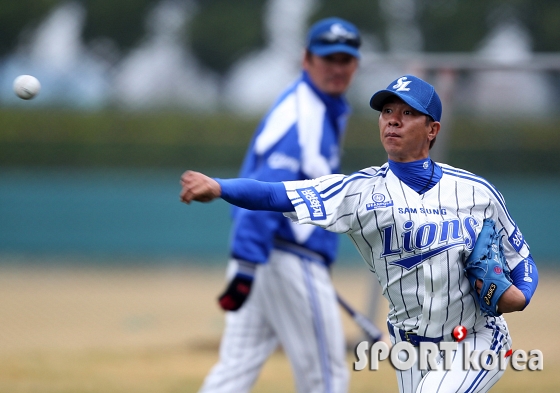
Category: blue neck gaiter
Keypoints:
(419, 175)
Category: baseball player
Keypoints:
(415, 223)
(279, 291)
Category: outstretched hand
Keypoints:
(198, 187)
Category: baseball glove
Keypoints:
(235, 294)
(488, 264)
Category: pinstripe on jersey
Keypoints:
(416, 244)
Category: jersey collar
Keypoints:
(421, 175)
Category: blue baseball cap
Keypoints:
(333, 35)
(415, 92)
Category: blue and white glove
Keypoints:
(487, 263)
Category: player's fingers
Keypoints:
(184, 188)
(187, 176)
(184, 198)
(190, 186)
(198, 187)
(186, 194)
(195, 191)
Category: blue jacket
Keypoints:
(299, 138)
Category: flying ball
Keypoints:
(26, 86)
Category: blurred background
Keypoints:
(134, 92)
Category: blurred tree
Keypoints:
(453, 25)
(18, 17)
(364, 14)
(543, 21)
(457, 26)
(123, 21)
(225, 30)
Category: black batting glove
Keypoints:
(236, 293)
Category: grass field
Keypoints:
(154, 329)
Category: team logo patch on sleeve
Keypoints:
(378, 202)
(516, 239)
(314, 203)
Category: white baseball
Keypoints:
(26, 86)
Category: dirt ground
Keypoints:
(157, 329)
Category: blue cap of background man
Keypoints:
(415, 92)
(333, 35)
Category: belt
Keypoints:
(298, 250)
(410, 337)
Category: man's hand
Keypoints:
(198, 187)
(512, 299)
(236, 293)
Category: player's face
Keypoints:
(332, 74)
(405, 132)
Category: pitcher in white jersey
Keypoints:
(414, 222)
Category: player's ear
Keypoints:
(434, 126)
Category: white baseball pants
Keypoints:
(492, 335)
(292, 304)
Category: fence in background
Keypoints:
(136, 216)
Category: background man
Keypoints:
(417, 224)
(279, 290)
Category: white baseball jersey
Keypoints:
(415, 244)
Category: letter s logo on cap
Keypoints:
(402, 85)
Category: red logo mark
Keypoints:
(459, 333)
(497, 270)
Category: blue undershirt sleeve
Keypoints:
(526, 278)
(256, 195)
